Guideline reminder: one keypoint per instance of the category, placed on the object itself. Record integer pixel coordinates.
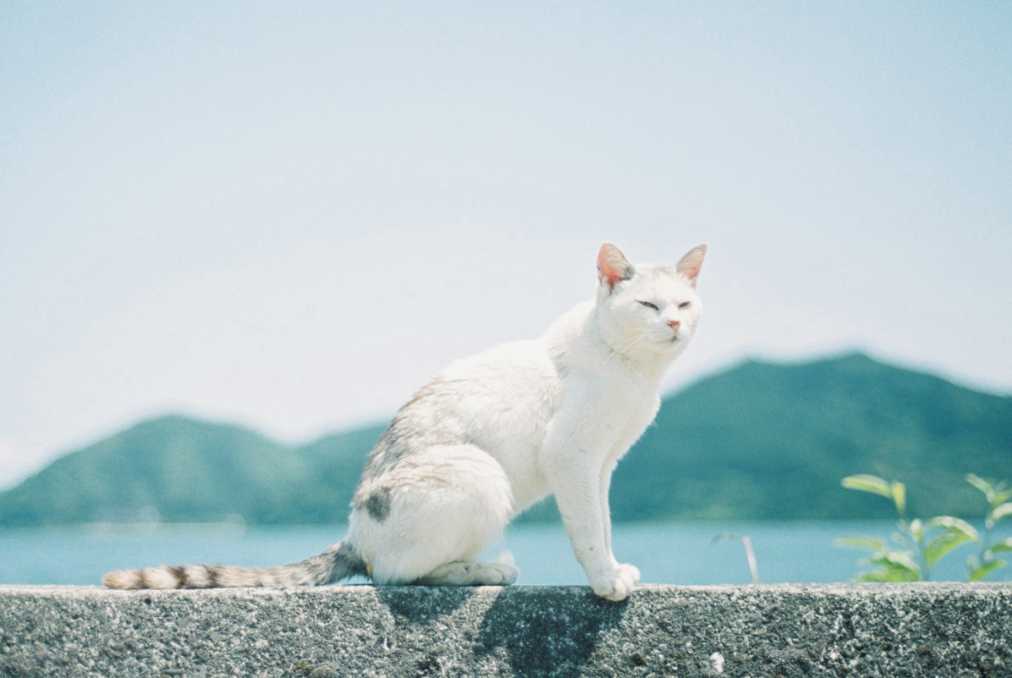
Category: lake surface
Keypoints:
(670, 553)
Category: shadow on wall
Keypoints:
(533, 634)
(557, 638)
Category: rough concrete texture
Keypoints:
(760, 631)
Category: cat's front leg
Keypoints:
(578, 498)
(629, 571)
(573, 470)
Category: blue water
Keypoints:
(671, 553)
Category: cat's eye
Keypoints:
(684, 305)
(648, 304)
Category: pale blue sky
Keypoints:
(292, 216)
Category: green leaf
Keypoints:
(981, 484)
(1002, 546)
(897, 560)
(995, 494)
(999, 512)
(887, 575)
(917, 529)
(956, 524)
(942, 544)
(864, 543)
(1001, 495)
(868, 483)
(899, 493)
(894, 566)
(987, 568)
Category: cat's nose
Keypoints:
(674, 324)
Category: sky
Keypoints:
(292, 216)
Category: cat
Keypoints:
(497, 432)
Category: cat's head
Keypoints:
(648, 310)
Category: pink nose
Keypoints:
(674, 324)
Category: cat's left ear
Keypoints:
(692, 262)
(612, 266)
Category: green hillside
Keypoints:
(772, 441)
(758, 441)
(170, 468)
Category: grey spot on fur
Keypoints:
(428, 419)
(378, 504)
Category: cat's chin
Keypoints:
(672, 347)
(665, 349)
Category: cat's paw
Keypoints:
(615, 585)
(630, 572)
(501, 574)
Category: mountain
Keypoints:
(772, 441)
(179, 469)
(758, 441)
(171, 468)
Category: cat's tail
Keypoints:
(338, 562)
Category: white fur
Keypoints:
(527, 419)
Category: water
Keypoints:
(670, 553)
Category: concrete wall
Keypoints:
(872, 630)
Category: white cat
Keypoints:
(494, 434)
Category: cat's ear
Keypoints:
(612, 266)
(692, 262)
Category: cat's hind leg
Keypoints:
(430, 515)
(461, 573)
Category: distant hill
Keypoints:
(771, 441)
(757, 441)
(171, 468)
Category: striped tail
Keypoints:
(338, 562)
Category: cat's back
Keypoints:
(514, 386)
(499, 399)
(504, 386)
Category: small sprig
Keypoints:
(920, 545)
(999, 507)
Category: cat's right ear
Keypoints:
(612, 266)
